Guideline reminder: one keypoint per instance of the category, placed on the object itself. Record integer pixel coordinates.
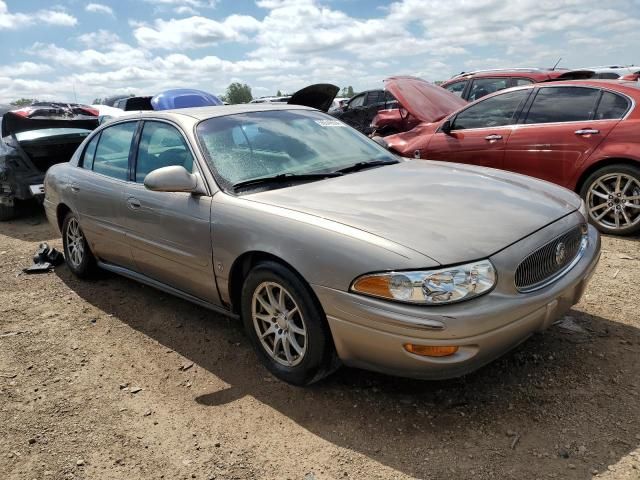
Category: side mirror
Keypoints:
(174, 179)
(446, 127)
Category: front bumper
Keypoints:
(370, 333)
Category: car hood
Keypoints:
(423, 100)
(319, 95)
(449, 212)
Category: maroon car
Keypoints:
(583, 135)
(474, 85)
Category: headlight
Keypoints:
(430, 287)
(583, 210)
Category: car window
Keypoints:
(375, 97)
(606, 75)
(492, 112)
(457, 88)
(262, 144)
(357, 101)
(161, 145)
(521, 81)
(563, 104)
(611, 106)
(89, 153)
(484, 86)
(112, 154)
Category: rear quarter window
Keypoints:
(611, 106)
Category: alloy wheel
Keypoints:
(279, 324)
(75, 243)
(613, 201)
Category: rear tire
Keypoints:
(286, 325)
(77, 253)
(612, 197)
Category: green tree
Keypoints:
(279, 94)
(23, 102)
(238, 93)
(350, 91)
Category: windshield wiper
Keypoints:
(285, 178)
(356, 167)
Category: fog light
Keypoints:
(430, 351)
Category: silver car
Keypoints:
(330, 249)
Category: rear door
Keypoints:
(562, 127)
(479, 133)
(98, 188)
(169, 232)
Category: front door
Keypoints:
(169, 233)
(479, 133)
(564, 125)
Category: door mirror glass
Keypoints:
(175, 178)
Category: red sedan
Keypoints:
(583, 135)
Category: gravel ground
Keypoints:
(110, 379)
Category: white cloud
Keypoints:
(99, 8)
(24, 69)
(99, 38)
(13, 21)
(194, 32)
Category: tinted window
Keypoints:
(606, 75)
(563, 104)
(485, 86)
(492, 112)
(89, 153)
(375, 97)
(457, 88)
(611, 106)
(112, 154)
(521, 81)
(161, 145)
(357, 101)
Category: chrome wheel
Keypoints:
(613, 201)
(75, 243)
(279, 324)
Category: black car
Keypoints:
(360, 109)
(33, 139)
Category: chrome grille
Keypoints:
(551, 260)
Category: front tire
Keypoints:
(286, 325)
(612, 197)
(77, 253)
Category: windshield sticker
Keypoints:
(330, 123)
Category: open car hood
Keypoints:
(425, 101)
(38, 117)
(319, 95)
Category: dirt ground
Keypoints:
(113, 380)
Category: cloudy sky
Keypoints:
(66, 49)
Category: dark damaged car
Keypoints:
(33, 139)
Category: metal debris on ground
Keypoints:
(569, 325)
(45, 259)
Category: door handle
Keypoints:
(75, 187)
(133, 203)
(587, 131)
(493, 138)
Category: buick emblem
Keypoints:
(561, 253)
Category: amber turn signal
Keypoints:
(429, 350)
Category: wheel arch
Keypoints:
(243, 265)
(61, 212)
(605, 162)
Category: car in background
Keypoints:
(582, 135)
(329, 248)
(615, 72)
(360, 109)
(319, 96)
(472, 86)
(33, 139)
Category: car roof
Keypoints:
(203, 113)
